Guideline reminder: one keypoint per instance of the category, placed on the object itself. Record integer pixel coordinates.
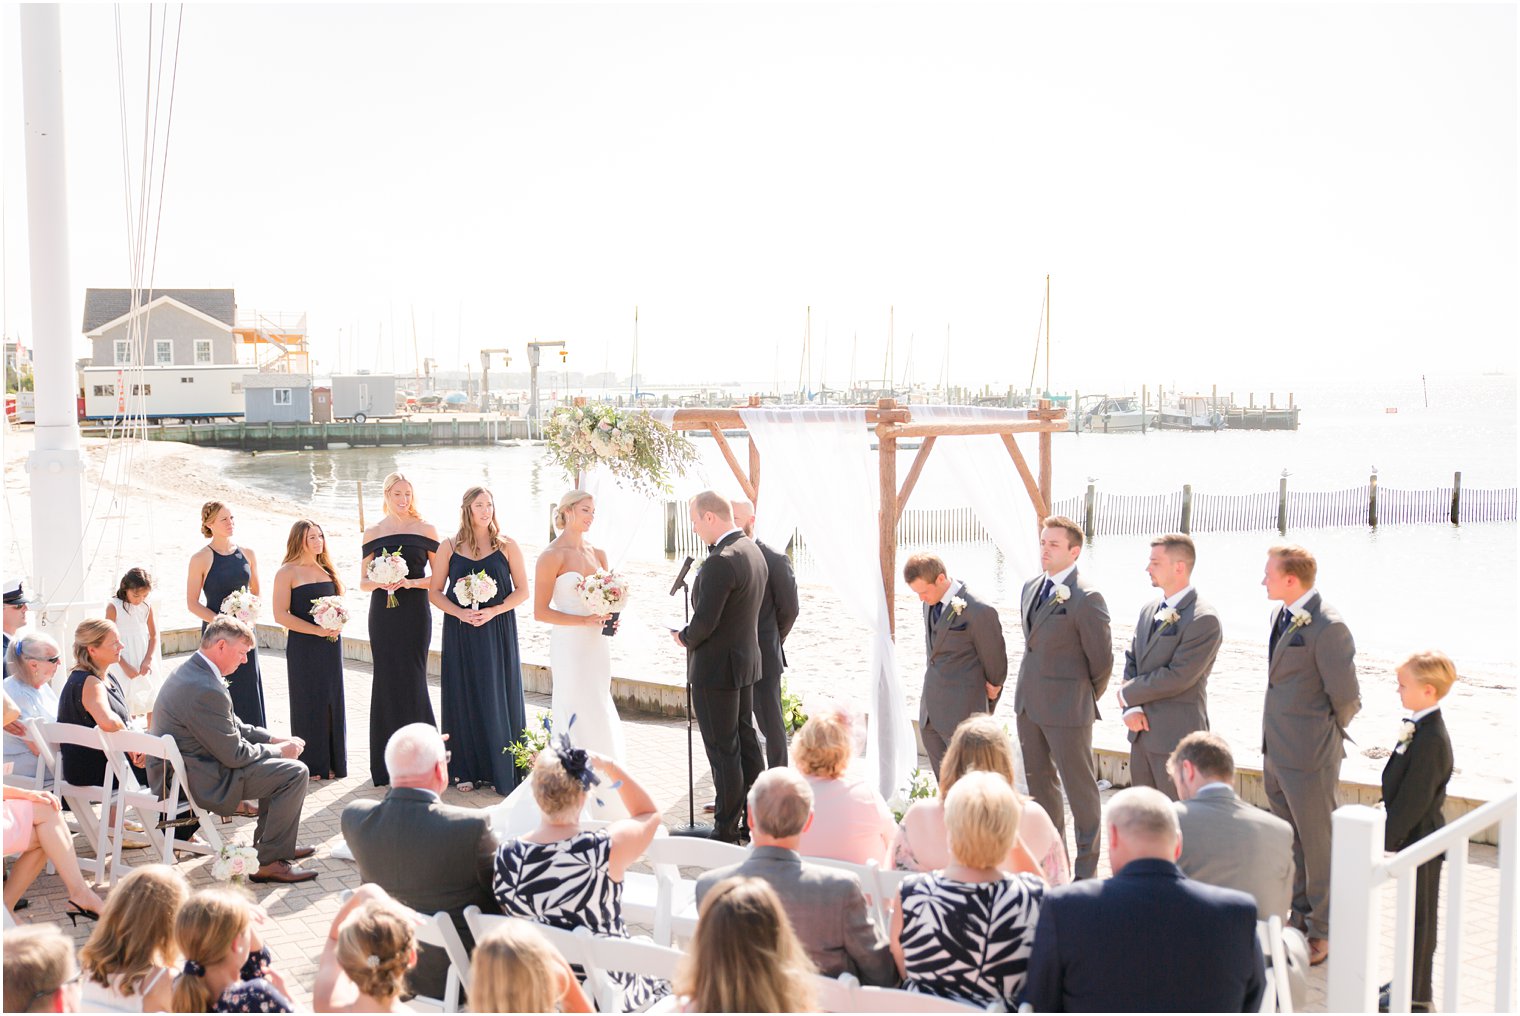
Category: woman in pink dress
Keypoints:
(851, 822)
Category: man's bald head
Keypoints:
(744, 516)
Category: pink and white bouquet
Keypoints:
(387, 568)
(242, 605)
(234, 864)
(603, 592)
(330, 615)
(474, 589)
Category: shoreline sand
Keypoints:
(153, 521)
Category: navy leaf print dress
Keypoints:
(969, 940)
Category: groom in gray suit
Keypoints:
(1312, 694)
(228, 761)
(1068, 657)
(1166, 669)
(964, 649)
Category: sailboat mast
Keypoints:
(633, 371)
(1047, 333)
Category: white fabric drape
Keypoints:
(821, 475)
(984, 475)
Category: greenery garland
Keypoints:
(634, 445)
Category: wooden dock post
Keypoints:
(1372, 500)
(1144, 402)
(1456, 498)
(1187, 508)
(1282, 506)
(362, 526)
(1089, 504)
(670, 527)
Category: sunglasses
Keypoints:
(79, 976)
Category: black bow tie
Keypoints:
(711, 547)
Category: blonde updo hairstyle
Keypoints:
(91, 633)
(385, 488)
(824, 745)
(555, 791)
(376, 949)
(560, 514)
(209, 511)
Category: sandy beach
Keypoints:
(143, 503)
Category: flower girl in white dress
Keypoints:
(140, 670)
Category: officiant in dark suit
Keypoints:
(723, 656)
(778, 612)
(966, 660)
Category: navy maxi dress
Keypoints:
(314, 666)
(399, 638)
(483, 709)
(229, 573)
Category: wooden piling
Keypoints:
(1144, 402)
(362, 526)
(1089, 506)
(1372, 500)
(1187, 508)
(670, 527)
(1456, 498)
(1282, 506)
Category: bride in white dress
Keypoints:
(580, 661)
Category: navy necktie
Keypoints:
(1045, 591)
(935, 612)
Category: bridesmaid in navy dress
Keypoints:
(216, 571)
(401, 635)
(483, 709)
(313, 655)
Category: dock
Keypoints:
(404, 433)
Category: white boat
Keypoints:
(1112, 414)
(1192, 412)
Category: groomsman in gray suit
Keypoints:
(1312, 694)
(967, 660)
(1164, 694)
(1068, 657)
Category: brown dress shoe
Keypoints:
(1319, 951)
(301, 852)
(283, 872)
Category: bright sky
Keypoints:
(1219, 191)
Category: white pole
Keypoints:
(55, 465)
(1356, 853)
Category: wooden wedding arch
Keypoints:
(892, 423)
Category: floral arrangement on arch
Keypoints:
(634, 445)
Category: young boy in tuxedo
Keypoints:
(1414, 792)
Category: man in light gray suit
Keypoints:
(1312, 694)
(429, 855)
(228, 761)
(1164, 694)
(825, 905)
(1068, 657)
(1227, 842)
(967, 660)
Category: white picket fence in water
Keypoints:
(1358, 871)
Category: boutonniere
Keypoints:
(1301, 619)
(1406, 733)
(1060, 592)
(1168, 616)
(956, 606)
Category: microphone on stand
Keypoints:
(680, 582)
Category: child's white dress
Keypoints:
(132, 623)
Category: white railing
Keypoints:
(1358, 871)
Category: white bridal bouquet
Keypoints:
(330, 615)
(387, 568)
(474, 589)
(234, 864)
(603, 592)
(242, 605)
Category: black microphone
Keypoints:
(681, 578)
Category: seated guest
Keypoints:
(40, 974)
(92, 698)
(228, 761)
(851, 822)
(129, 961)
(744, 956)
(224, 969)
(1226, 842)
(428, 855)
(979, 744)
(825, 906)
(34, 828)
(567, 877)
(515, 969)
(369, 950)
(1100, 944)
(31, 662)
(16, 601)
(964, 932)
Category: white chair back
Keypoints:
(870, 878)
(439, 931)
(152, 806)
(83, 801)
(1278, 996)
(631, 955)
(894, 1000)
(42, 774)
(675, 915)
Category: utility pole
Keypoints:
(54, 466)
(535, 351)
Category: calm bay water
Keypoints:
(1400, 587)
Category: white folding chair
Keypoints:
(83, 801)
(575, 946)
(41, 777)
(1278, 995)
(675, 914)
(630, 955)
(836, 994)
(154, 807)
(869, 875)
(894, 1000)
(439, 931)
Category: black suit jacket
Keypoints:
(1148, 939)
(723, 636)
(430, 856)
(778, 610)
(1414, 784)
